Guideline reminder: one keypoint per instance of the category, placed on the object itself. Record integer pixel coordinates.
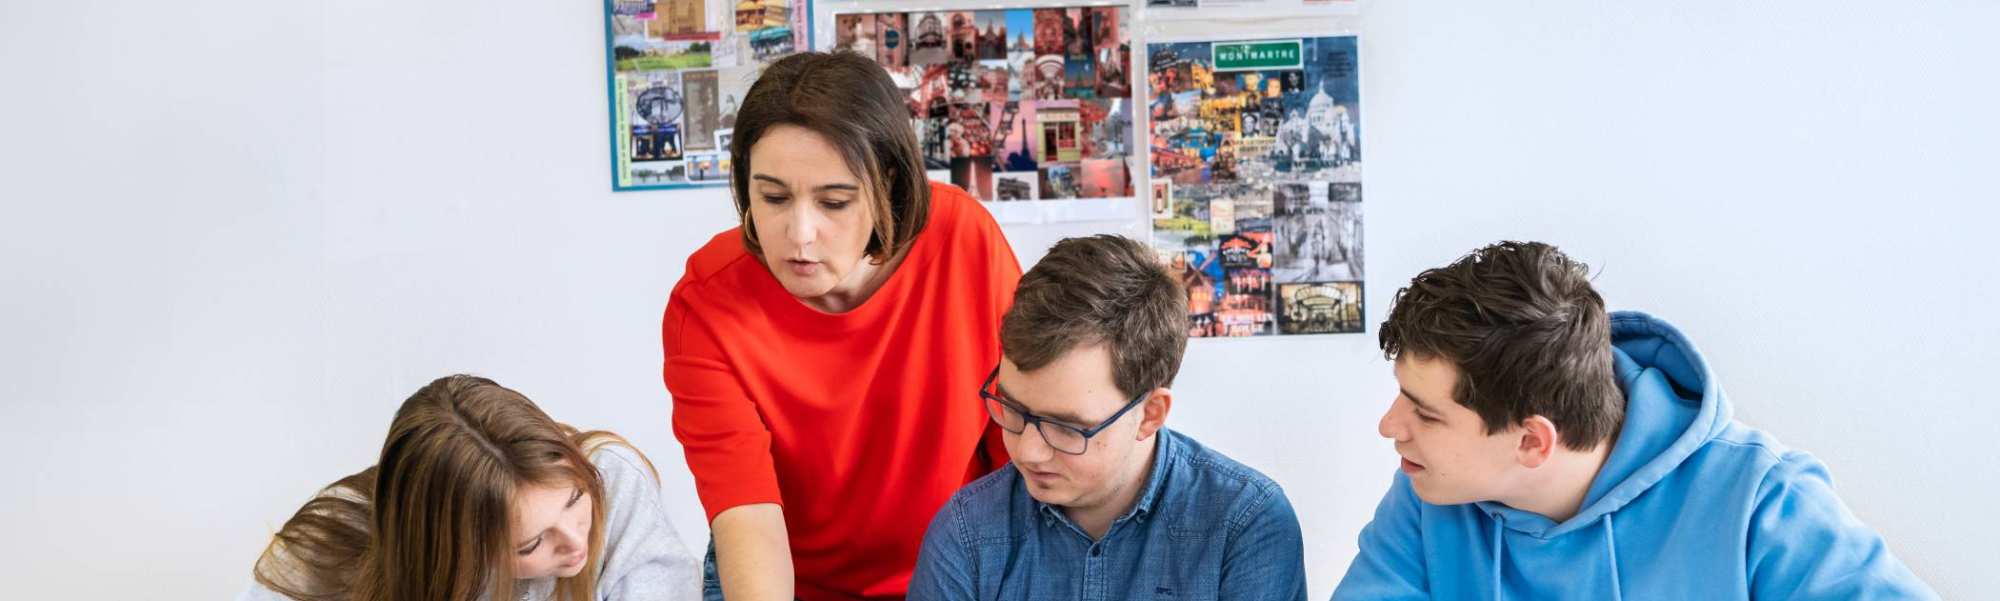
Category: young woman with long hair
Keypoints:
(479, 495)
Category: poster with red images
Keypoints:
(1012, 104)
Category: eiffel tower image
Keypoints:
(1006, 125)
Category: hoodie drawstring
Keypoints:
(1611, 555)
(1499, 526)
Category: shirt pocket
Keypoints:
(1187, 567)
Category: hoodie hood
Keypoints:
(1673, 406)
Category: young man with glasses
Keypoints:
(1102, 501)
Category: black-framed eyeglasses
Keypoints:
(1061, 437)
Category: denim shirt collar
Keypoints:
(1143, 508)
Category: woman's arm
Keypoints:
(729, 451)
(752, 553)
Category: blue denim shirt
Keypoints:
(1206, 527)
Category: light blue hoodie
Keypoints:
(1690, 505)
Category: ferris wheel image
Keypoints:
(659, 105)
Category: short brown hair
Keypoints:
(1100, 290)
(1528, 335)
(850, 101)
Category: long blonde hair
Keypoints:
(429, 521)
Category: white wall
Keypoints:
(236, 233)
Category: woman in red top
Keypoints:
(822, 357)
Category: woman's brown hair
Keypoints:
(430, 520)
(849, 100)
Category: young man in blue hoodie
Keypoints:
(1101, 500)
(1550, 451)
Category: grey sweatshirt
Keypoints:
(643, 555)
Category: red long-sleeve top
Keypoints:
(859, 424)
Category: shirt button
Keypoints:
(1096, 551)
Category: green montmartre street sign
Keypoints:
(1266, 55)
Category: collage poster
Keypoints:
(678, 70)
(1256, 180)
(1249, 8)
(1012, 104)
